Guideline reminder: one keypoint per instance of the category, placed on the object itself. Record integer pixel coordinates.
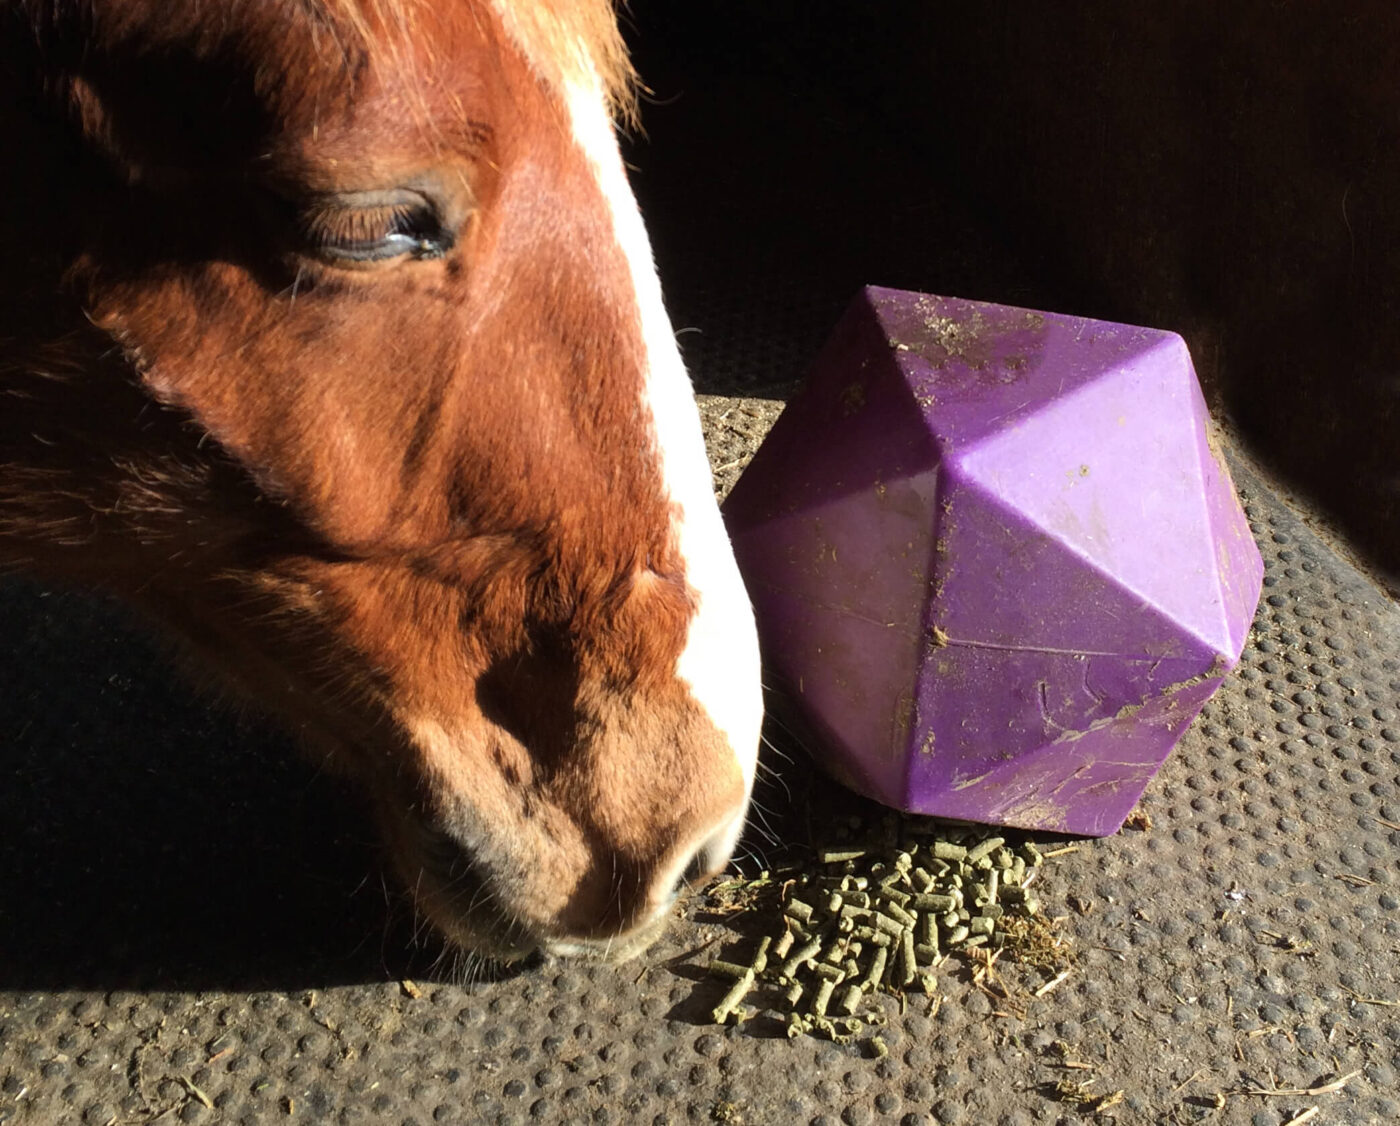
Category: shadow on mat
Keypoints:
(152, 839)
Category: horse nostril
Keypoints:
(694, 871)
(712, 856)
(446, 854)
(708, 860)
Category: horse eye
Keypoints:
(359, 236)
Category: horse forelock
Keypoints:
(566, 42)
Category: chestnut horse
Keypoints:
(330, 335)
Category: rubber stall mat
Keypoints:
(192, 932)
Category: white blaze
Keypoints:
(720, 660)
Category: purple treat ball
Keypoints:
(997, 561)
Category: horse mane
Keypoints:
(567, 42)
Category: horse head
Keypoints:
(332, 338)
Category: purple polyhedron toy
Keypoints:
(997, 562)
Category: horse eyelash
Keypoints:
(329, 227)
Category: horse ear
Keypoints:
(161, 124)
(101, 128)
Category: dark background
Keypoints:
(1227, 171)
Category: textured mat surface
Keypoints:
(192, 928)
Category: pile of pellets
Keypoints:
(878, 920)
